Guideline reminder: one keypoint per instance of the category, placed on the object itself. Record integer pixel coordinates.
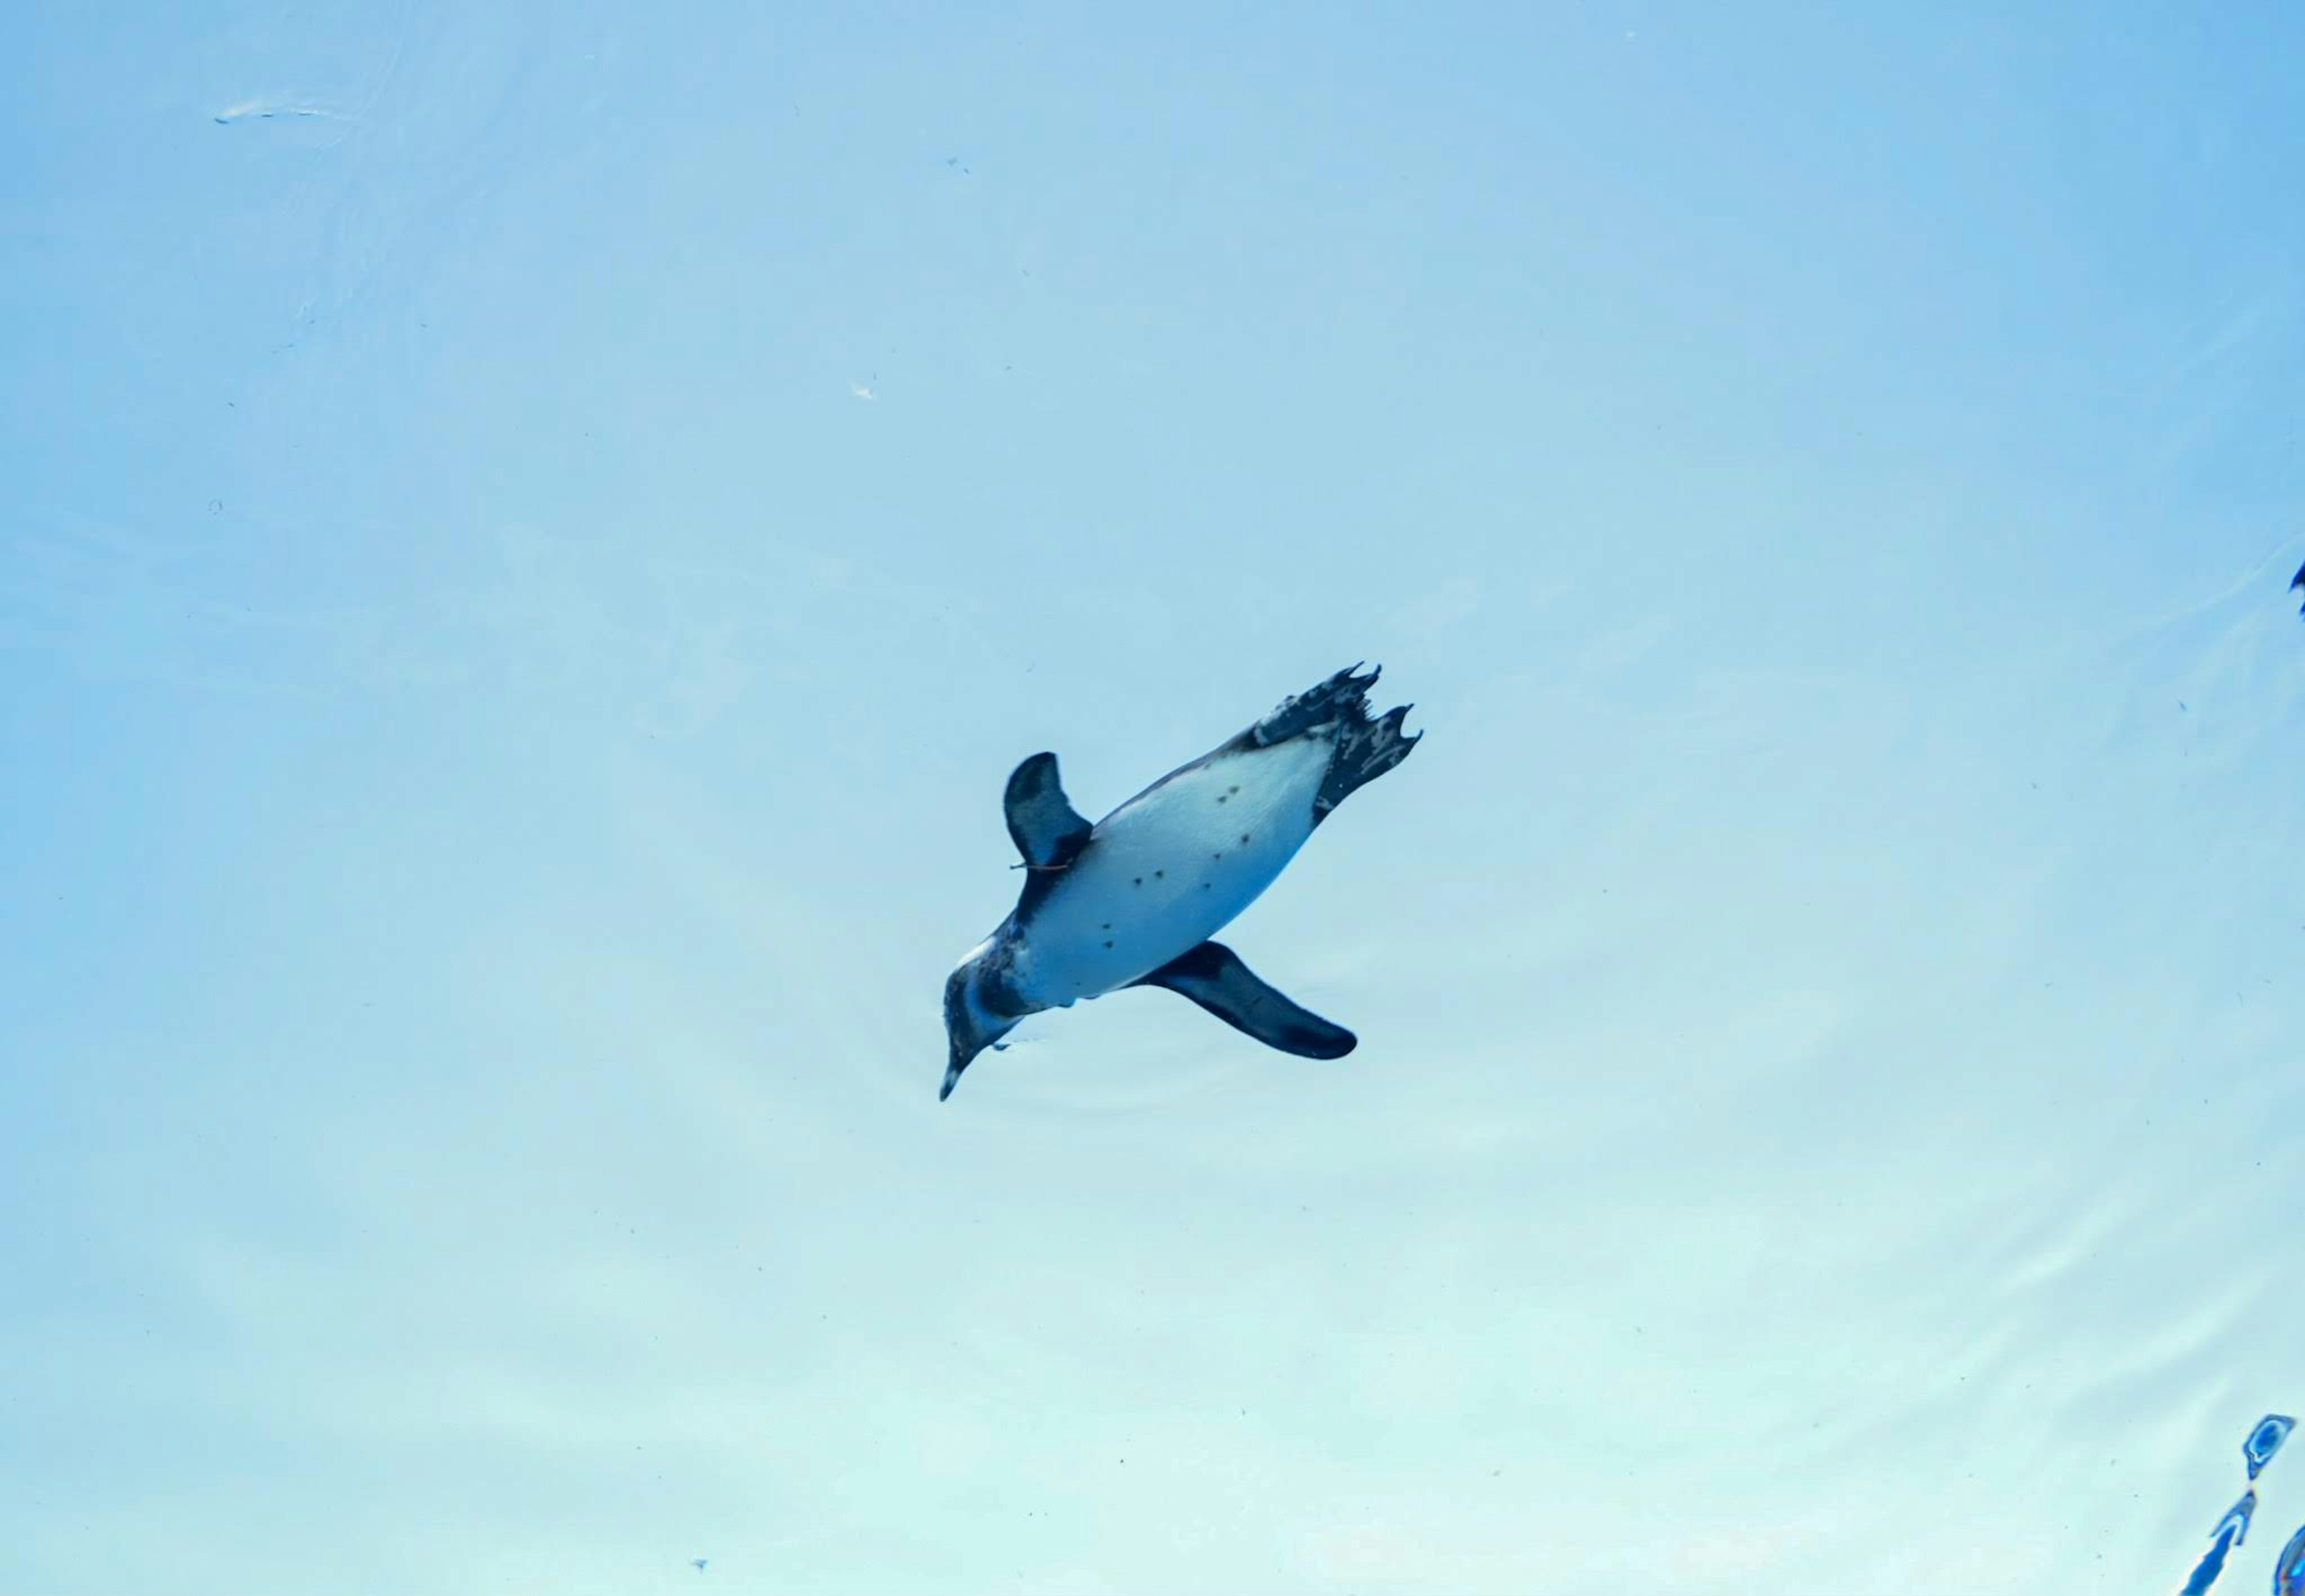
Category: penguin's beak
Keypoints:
(964, 1051)
(967, 1033)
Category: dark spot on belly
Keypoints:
(1205, 887)
(1106, 926)
(1233, 789)
(1160, 875)
(1221, 797)
(1107, 941)
(1140, 880)
(1244, 836)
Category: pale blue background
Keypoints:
(503, 744)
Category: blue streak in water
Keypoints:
(2266, 1439)
(2289, 1573)
(2232, 1530)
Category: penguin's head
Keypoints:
(970, 1026)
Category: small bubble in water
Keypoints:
(2266, 1439)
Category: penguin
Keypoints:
(1134, 900)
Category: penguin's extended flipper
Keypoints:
(1048, 831)
(1213, 976)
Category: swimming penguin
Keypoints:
(1133, 900)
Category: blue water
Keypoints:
(537, 535)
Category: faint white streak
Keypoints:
(2281, 557)
(268, 107)
(2230, 362)
(1714, 1554)
(1447, 606)
(1358, 1552)
(119, 607)
(668, 646)
(1625, 646)
(2081, 1235)
(258, 110)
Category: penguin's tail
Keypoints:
(1343, 696)
(1366, 749)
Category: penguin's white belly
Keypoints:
(1168, 870)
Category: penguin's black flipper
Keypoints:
(1213, 976)
(1048, 832)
